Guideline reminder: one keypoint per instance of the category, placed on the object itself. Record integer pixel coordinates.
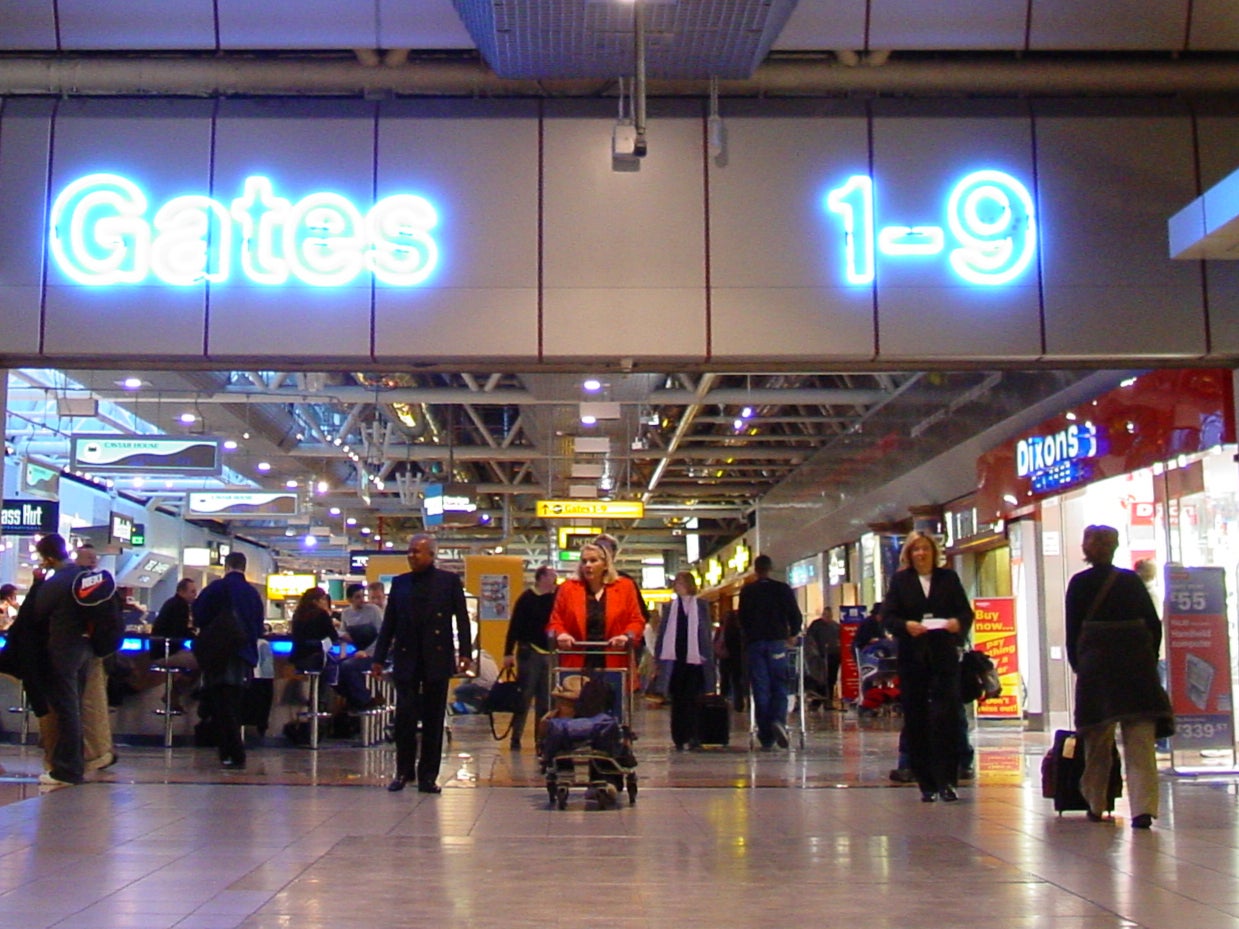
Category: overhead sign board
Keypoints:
(122, 529)
(39, 481)
(146, 454)
(575, 536)
(29, 517)
(241, 504)
(287, 586)
(590, 509)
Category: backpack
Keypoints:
(218, 642)
(94, 591)
(978, 678)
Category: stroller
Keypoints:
(879, 677)
(587, 741)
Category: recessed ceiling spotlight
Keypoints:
(310, 540)
(351, 521)
(322, 487)
(245, 435)
(187, 418)
(388, 544)
(290, 483)
(592, 384)
(364, 530)
(230, 445)
(588, 420)
(264, 466)
(131, 383)
(334, 511)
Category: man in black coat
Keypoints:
(417, 633)
(226, 684)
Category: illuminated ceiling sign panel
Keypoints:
(588, 509)
(147, 454)
(989, 236)
(241, 504)
(105, 232)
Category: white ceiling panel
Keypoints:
(1118, 25)
(425, 24)
(819, 24)
(319, 24)
(1215, 25)
(27, 24)
(94, 25)
(961, 24)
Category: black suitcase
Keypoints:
(713, 719)
(1061, 770)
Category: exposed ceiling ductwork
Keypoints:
(465, 76)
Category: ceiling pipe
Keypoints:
(791, 76)
(788, 396)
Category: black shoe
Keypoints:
(967, 774)
(928, 796)
(396, 785)
(1097, 817)
(949, 795)
(1142, 821)
(780, 735)
(429, 789)
(232, 764)
(902, 775)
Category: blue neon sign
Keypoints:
(102, 234)
(1059, 460)
(989, 215)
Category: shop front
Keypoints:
(1155, 459)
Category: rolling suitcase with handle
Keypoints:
(1061, 770)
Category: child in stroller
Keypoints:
(583, 743)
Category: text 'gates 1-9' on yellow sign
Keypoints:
(590, 509)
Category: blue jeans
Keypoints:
(768, 682)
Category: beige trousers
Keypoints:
(96, 726)
(1139, 761)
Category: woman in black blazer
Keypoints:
(928, 612)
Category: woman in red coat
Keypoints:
(596, 606)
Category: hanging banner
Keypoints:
(241, 504)
(993, 632)
(146, 454)
(1198, 654)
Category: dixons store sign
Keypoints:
(1053, 461)
(104, 231)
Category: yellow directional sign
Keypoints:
(590, 509)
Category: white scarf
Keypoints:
(688, 608)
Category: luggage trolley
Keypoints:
(795, 691)
(594, 751)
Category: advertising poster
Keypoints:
(993, 632)
(1198, 655)
(849, 673)
(494, 597)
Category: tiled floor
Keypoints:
(815, 837)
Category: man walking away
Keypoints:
(225, 682)
(770, 619)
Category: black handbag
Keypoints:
(504, 696)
